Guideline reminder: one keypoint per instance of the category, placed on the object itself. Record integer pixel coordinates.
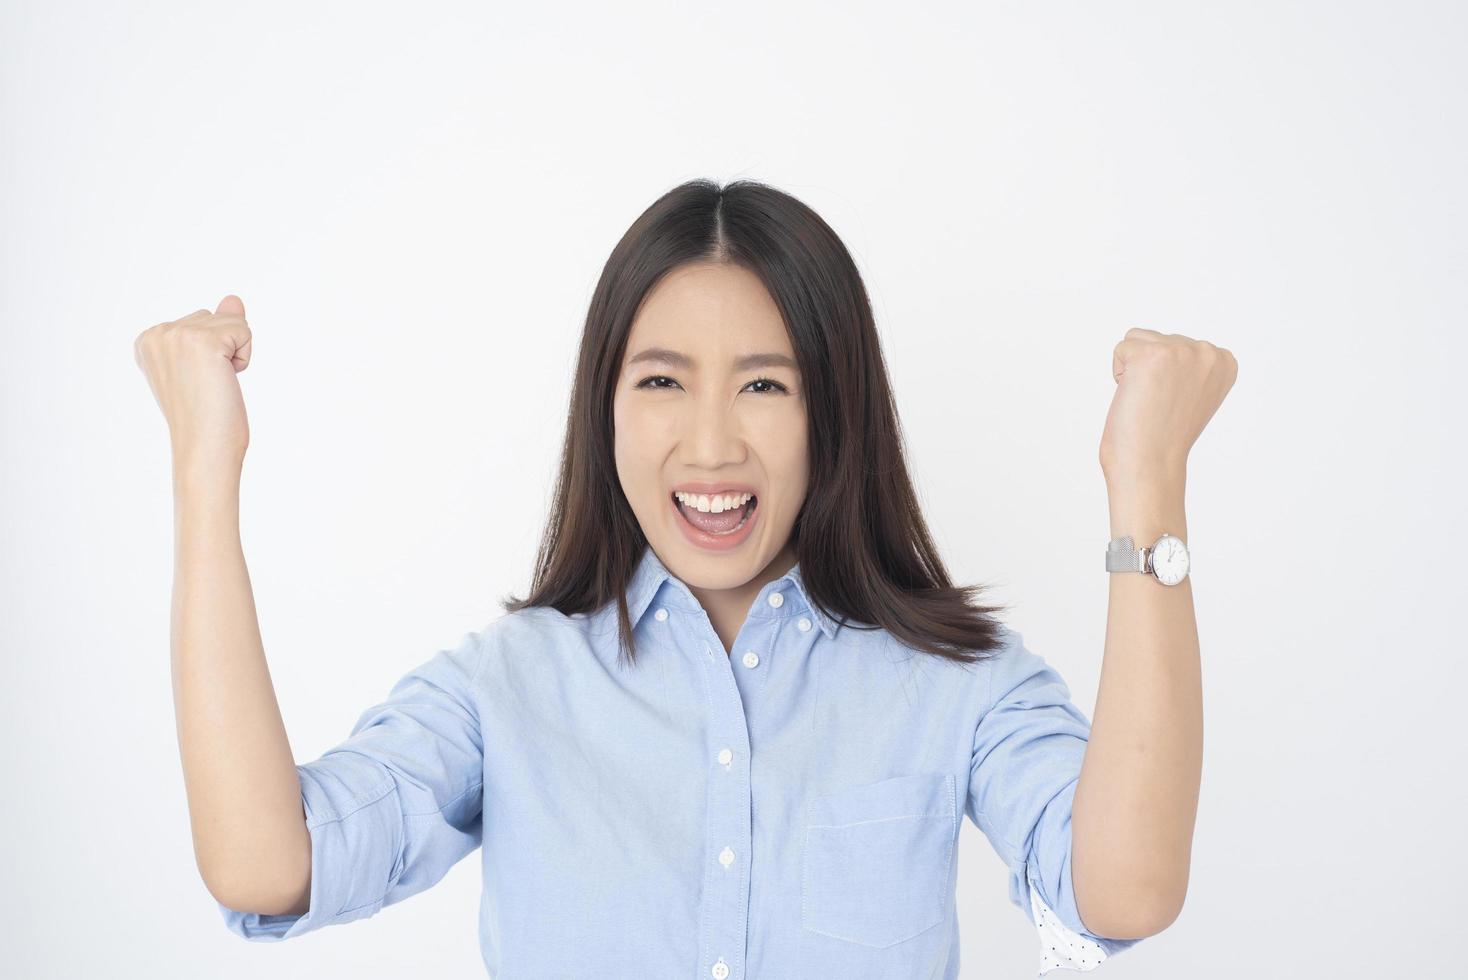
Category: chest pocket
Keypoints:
(876, 861)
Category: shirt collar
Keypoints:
(652, 580)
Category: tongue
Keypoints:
(715, 523)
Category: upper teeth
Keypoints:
(716, 504)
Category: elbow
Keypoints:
(1156, 920)
(264, 876)
(1164, 909)
(261, 900)
(1129, 905)
(1135, 919)
(281, 892)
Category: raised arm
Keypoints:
(250, 838)
(249, 827)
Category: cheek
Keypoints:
(639, 450)
(629, 427)
(784, 460)
(624, 450)
(781, 435)
(645, 430)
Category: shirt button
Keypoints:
(777, 599)
(726, 757)
(751, 659)
(720, 970)
(804, 625)
(726, 857)
(661, 615)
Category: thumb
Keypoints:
(231, 304)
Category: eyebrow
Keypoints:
(678, 359)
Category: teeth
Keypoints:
(716, 504)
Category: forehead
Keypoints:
(711, 308)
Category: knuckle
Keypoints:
(191, 333)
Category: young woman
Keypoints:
(733, 729)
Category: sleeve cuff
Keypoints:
(346, 881)
(1062, 946)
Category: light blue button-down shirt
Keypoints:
(788, 810)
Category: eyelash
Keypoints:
(644, 384)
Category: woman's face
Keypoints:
(688, 414)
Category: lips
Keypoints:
(716, 532)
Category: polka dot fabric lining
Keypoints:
(1061, 947)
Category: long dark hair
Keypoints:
(864, 550)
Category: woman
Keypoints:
(733, 728)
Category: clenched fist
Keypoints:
(191, 365)
(1167, 388)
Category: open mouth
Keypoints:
(724, 523)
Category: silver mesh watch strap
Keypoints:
(1123, 556)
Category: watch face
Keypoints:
(1169, 560)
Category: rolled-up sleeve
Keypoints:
(1028, 748)
(395, 805)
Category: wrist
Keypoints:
(1145, 508)
(206, 474)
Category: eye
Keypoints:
(647, 383)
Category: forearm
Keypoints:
(249, 833)
(1137, 799)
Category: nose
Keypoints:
(712, 436)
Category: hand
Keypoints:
(1167, 388)
(191, 365)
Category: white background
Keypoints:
(414, 204)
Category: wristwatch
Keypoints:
(1167, 559)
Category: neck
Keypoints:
(729, 608)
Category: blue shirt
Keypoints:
(788, 811)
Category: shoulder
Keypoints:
(531, 622)
(962, 686)
(535, 636)
(1017, 676)
(1001, 657)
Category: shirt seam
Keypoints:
(371, 798)
(478, 785)
(478, 666)
(377, 793)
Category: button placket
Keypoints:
(724, 913)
